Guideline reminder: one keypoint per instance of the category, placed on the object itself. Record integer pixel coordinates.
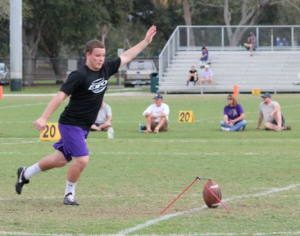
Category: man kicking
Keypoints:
(86, 87)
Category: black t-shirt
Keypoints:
(193, 71)
(87, 89)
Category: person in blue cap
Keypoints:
(270, 111)
(157, 116)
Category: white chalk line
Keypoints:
(190, 234)
(24, 105)
(111, 196)
(30, 95)
(22, 142)
(167, 217)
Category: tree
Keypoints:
(4, 28)
(243, 12)
(165, 17)
(68, 25)
(34, 18)
(186, 14)
(4, 11)
(71, 26)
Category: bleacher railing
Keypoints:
(193, 38)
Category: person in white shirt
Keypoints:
(157, 116)
(207, 76)
(103, 121)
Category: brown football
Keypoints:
(210, 200)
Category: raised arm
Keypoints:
(131, 53)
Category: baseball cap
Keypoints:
(206, 66)
(266, 95)
(158, 96)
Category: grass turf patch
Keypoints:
(133, 177)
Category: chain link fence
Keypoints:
(52, 70)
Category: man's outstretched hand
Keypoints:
(150, 34)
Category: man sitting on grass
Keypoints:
(157, 116)
(270, 111)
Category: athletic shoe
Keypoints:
(225, 129)
(21, 180)
(287, 127)
(69, 200)
(278, 129)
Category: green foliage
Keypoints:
(4, 45)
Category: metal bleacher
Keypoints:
(272, 68)
(275, 71)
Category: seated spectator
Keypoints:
(104, 118)
(270, 111)
(157, 116)
(251, 43)
(192, 76)
(233, 116)
(207, 76)
(204, 57)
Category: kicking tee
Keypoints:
(86, 89)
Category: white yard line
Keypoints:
(22, 142)
(169, 216)
(24, 105)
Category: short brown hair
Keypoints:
(234, 100)
(93, 44)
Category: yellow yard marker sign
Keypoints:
(186, 117)
(50, 133)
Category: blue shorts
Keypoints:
(72, 142)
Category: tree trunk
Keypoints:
(30, 46)
(103, 33)
(59, 73)
(249, 16)
(188, 21)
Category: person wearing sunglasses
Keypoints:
(233, 116)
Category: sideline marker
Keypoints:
(1, 92)
(50, 133)
(235, 91)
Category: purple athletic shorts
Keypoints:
(72, 142)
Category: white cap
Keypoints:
(206, 66)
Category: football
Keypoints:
(210, 200)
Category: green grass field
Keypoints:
(133, 177)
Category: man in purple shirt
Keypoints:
(233, 116)
(207, 76)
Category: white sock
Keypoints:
(70, 188)
(32, 170)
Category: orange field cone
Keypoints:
(235, 91)
(1, 92)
